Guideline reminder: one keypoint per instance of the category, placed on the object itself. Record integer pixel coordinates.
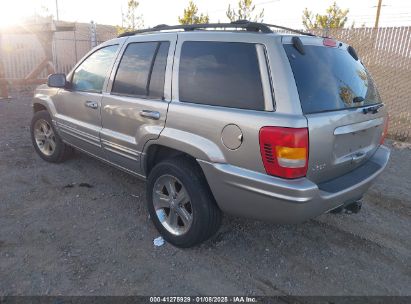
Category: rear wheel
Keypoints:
(180, 202)
(46, 141)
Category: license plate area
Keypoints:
(355, 145)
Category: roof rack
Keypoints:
(288, 29)
(240, 24)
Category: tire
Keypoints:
(205, 215)
(42, 127)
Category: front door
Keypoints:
(78, 107)
(134, 109)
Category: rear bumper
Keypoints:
(252, 194)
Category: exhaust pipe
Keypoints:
(354, 207)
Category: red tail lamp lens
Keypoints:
(284, 151)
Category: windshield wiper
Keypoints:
(373, 109)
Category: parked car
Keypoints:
(240, 120)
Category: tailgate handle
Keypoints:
(359, 126)
(358, 157)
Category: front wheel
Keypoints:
(46, 141)
(180, 202)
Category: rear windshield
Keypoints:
(330, 79)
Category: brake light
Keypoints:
(284, 151)
(329, 42)
(385, 130)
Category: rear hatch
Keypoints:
(341, 103)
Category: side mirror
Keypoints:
(57, 81)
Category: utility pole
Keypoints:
(57, 10)
(93, 34)
(377, 17)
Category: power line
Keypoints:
(385, 14)
(267, 2)
(255, 4)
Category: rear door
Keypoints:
(341, 103)
(134, 111)
(222, 97)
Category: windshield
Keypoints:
(330, 79)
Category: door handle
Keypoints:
(358, 157)
(91, 104)
(150, 114)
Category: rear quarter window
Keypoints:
(221, 74)
(329, 79)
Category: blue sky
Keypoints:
(284, 12)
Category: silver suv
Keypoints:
(230, 118)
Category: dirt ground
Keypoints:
(75, 240)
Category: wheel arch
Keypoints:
(37, 107)
(172, 143)
(43, 102)
(156, 153)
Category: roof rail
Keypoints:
(239, 24)
(288, 29)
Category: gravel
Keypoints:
(81, 228)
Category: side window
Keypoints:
(90, 75)
(156, 86)
(142, 70)
(221, 74)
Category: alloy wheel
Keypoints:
(172, 204)
(45, 137)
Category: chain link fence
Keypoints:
(386, 52)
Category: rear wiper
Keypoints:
(358, 99)
(373, 109)
(352, 52)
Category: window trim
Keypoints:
(153, 60)
(262, 57)
(71, 75)
(150, 73)
(265, 75)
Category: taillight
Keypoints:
(284, 151)
(385, 130)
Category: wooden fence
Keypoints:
(385, 51)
